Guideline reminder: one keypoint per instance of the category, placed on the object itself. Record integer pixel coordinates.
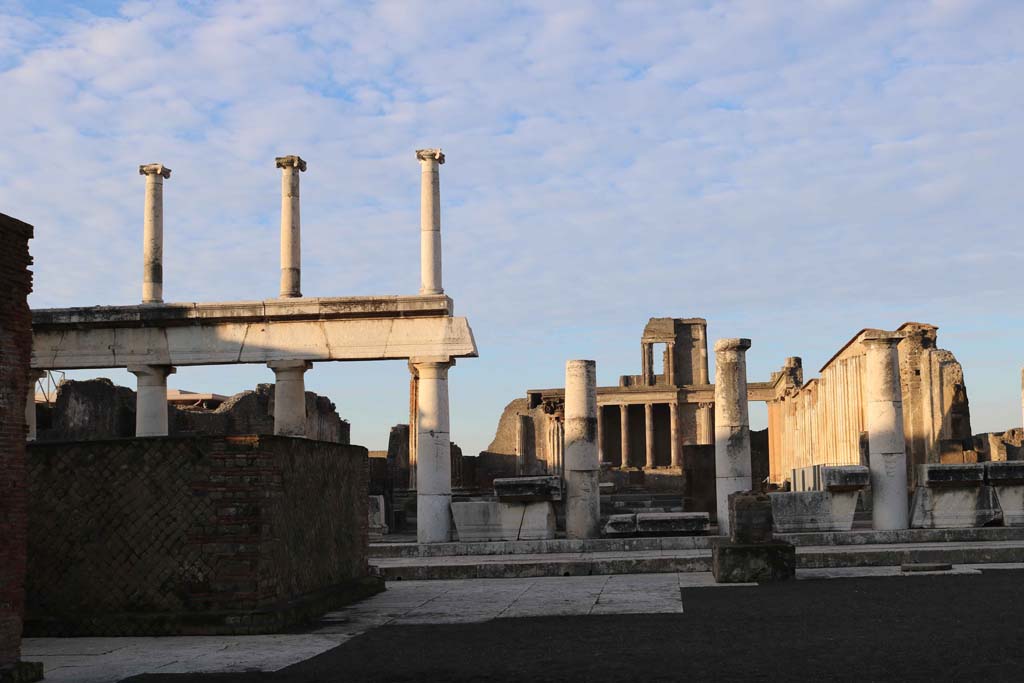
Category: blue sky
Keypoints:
(793, 172)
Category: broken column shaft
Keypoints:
(151, 399)
(153, 233)
(583, 507)
(430, 220)
(291, 244)
(290, 396)
(433, 452)
(732, 425)
(887, 450)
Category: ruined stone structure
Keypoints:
(15, 384)
(824, 422)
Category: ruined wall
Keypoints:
(524, 437)
(192, 535)
(1000, 446)
(99, 409)
(15, 353)
(822, 422)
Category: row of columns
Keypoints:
(704, 428)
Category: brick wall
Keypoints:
(243, 534)
(15, 351)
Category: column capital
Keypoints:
(160, 371)
(276, 365)
(881, 337)
(706, 405)
(733, 343)
(291, 161)
(430, 155)
(155, 170)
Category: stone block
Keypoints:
(750, 517)
(1007, 480)
(968, 475)
(620, 525)
(376, 516)
(498, 521)
(804, 511)
(998, 473)
(953, 507)
(527, 489)
(672, 523)
(606, 488)
(753, 562)
(845, 478)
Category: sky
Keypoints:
(790, 171)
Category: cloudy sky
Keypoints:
(791, 171)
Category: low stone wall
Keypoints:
(201, 535)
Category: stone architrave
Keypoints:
(151, 399)
(291, 243)
(732, 425)
(290, 396)
(583, 508)
(153, 233)
(430, 220)
(433, 451)
(887, 454)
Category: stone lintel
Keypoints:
(428, 154)
(155, 169)
(291, 161)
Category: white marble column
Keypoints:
(291, 242)
(677, 455)
(430, 220)
(433, 452)
(151, 399)
(153, 233)
(732, 425)
(290, 396)
(30, 403)
(583, 506)
(624, 433)
(649, 436)
(887, 450)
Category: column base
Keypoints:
(433, 518)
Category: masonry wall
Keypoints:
(201, 535)
(15, 352)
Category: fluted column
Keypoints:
(887, 449)
(433, 452)
(624, 433)
(153, 233)
(649, 436)
(290, 396)
(677, 456)
(732, 425)
(705, 423)
(151, 399)
(583, 509)
(291, 243)
(430, 220)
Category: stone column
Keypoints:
(705, 423)
(291, 244)
(732, 425)
(887, 449)
(30, 402)
(600, 436)
(153, 234)
(583, 508)
(624, 433)
(151, 399)
(430, 220)
(677, 455)
(290, 396)
(433, 452)
(649, 436)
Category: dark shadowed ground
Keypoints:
(936, 628)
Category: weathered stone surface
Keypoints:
(672, 523)
(525, 489)
(732, 426)
(376, 516)
(951, 507)
(803, 511)
(845, 478)
(951, 475)
(753, 562)
(1004, 472)
(496, 521)
(1007, 480)
(750, 517)
(620, 525)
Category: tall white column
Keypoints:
(30, 403)
(677, 456)
(649, 440)
(430, 220)
(290, 396)
(732, 425)
(433, 456)
(624, 432)
(291, 243)
(583, 505)
(151, 399)
(887, 449)
(153, 233)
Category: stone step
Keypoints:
(693, 560)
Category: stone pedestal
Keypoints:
(153, 233)
(1007, 480)
(478, 521)
(433, 452)
(732, 424)
(151, 399)
(291, 243)
(751, 554)
(831, 508)
(290, 396)
(887, 454)
(953, 497)
(582, 469)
